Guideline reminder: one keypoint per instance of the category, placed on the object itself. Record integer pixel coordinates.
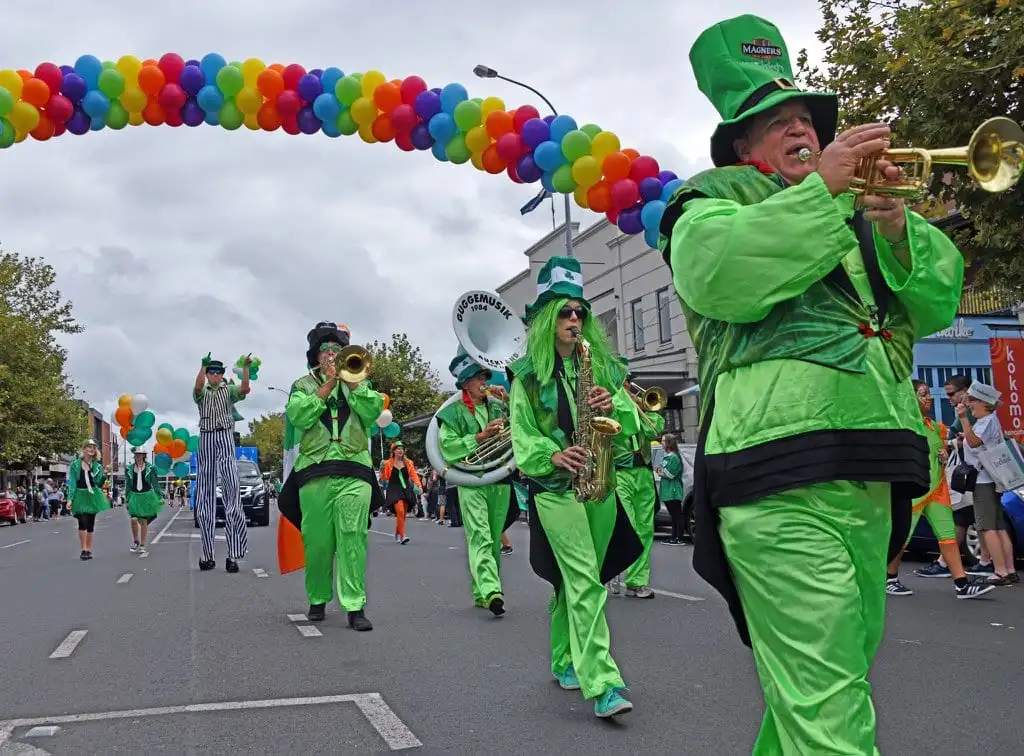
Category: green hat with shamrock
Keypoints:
(560, 278)
(742, 66)
(463, 367)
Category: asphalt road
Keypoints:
(174, 661)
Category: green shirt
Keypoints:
(459, 426)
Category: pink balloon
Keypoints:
(289, 103)
(625, 193)
(523, 114)
(403, 118)
(60, 109)
(402, 138)
(172, 97)
(643, 167)
(410, 87)
(509, 146)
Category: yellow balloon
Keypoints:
(136, 119)
(11, 81)
(371, 80)
(133, 100)
(604, 144)
(364, 111)
(125, 400)
(477, 158)
(580, 195)
(252, 122)
(163, 435)
(477, 139)
(491, 104)
(129, 66)
(251, 70)
(19, 136)
(249, 100)
(366, 132)
(586, 172)
(24, 116)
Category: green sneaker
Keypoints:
(568, 679)
(611, 704)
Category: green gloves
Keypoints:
(207, 360)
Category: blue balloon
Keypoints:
(651, 237)
(181, 470)
(212, 118)
(330, 77)
(330, 128)
(74, 87)
(163, 461)
(651, 214)
(560, 126)
(95, 104)
(89, 68)
(327, 107)
(440, 150)
(442, 127)
(545, 181)
(548, 156)
(669, 189)
(97, 124)
(451, 96)
(211, 64)
(210, 99)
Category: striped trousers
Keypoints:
(217, 461)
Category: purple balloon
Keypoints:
(427, 104)
(67, 69)
(437, 91)
(79, 123)
(650, 189)
(307, 120)
(527, 169)
(73, 87)
(665, 176)
(535, 131)
(317, 72)
(191, 113)
(420, 135)
(192, 79)
(549, 118)
(194, 62)
(629, 221)
(309, 88)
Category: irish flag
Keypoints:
(291, 555)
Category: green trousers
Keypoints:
(810, 565)
(334, 515)
(483, 511)
(579, 535)
(635, 487)
(940, 517)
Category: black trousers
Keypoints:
(86, 522)
(675, 511)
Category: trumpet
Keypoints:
(994, 158)
(654, 399)
(353, 364)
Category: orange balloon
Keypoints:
(177, 448)
(151, 80)
(151, 62)
(25, 75)
(387, 401)
(276, 67)
(270, 83)
(159, 449)
(45, 129)
(631, 153)
(491, 159)
(153, 114)
(615, 167)
(599, 197)
(382, 128)
(123, 416)
(397, 82)
(268, 118)
(498, 124)
(387, 97)
(36, 92)
(124, 430)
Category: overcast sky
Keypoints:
(175, 242)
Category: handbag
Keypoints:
(963, 478)
(956, 498)
(1002, 462)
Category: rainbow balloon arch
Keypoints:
(585, 161)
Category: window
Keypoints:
(935, 378)
(664, 317)
(637, 312)
(610, 322)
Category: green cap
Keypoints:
(560, 278)
(742, 66)
(463, 367)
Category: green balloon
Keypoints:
(562, 179)
(230, 116)
(117, 116)
(456, 149)
(6, 101)
(347, 124)
(111, 83)
(144, 420)
(7, 133)
(168, 426)
(348, 90)
(193, 444)
(357, 76)
(591, 129)
(237, 64)
(162, 470)
(139, 436)
(182, 434)
(575, 145)
(230, 81)
(108, 64)
(467, 115)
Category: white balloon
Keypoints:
(185, 457)
(140, 403)
(385, 419)
(113, 418)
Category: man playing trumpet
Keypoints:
(476, 426)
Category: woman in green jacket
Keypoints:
(145, 498)
(671, 487)
(85, 492)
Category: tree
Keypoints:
(39, 416)
(267, 435)
(935, 70)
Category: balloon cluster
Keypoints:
(563, 156)
(134, 419)
(174, 448)
(254, 367)
(386, 422)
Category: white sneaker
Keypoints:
(135, 547)
(641, 591)
(143, 549)
(404, 540)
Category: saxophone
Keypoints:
(593, 433)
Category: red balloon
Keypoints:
(403, 140)
(599, 197)
(382, 127)
(51, 74)
(403, 118)
(60, 108)
(171, 98)
(513, 174)
(292, 74)
(289, 103)
(44, 130)
(612, 215)
(625, 193)
(59, 128)
(153, 114)
(172, 65)
(643, 167)
(268, 118)
(290, 124)
(509, 146)
(173, 118)
(412, 86)
(523, 114)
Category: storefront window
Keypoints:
(936, 376)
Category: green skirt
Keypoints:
(89, 503)
(145, 504)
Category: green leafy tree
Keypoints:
(935, 70)
(267, 435)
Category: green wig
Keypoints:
(540, 345)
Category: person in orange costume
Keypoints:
(404, 492)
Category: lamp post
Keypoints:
(274, 388)
(486, 72)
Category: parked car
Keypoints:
(253, 492)
(12, 510)
(687, 452)
(923, 539)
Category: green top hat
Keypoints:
(560, 278)
(463, 367)
(742, 66)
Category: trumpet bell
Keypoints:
(488, 329)
(996, 154)
(654, 399)
(354, 364)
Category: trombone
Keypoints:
(653, 399)
(353, 364)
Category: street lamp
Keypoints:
(274, 388)
(486, 72)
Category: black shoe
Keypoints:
(357, 621)
(497, 606)
(88, 555)
(206, 564)
(317, 612)
(84, 555)
(231, 565)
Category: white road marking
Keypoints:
(68, 646)
(194, 536)
(144, 555)
(170, 522)
(378, 532)
(260, 572)
(670, 594)
(297, 618)
(124, 578)
(373, 707)
(42, 732)
(16, 543)
(308, 631)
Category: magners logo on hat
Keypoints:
(761, 48)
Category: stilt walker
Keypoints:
(85, 492)
(145, 498)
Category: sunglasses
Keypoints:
(330, 348)
(567, 312)
(215, 371)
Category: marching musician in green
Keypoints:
(145, 497)
(85, 492)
